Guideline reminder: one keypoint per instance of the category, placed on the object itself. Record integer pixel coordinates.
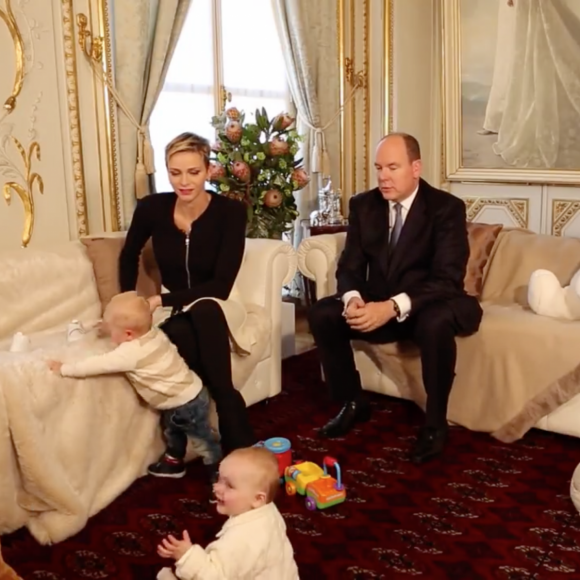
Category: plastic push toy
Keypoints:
(321, 490)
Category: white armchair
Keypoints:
(317, 261)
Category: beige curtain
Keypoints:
(146, 32)
(308, 33)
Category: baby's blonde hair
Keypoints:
(188, 142)
(129, 311)
(265, 469)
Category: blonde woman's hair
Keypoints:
(264, 468)
(188, 142)
(129, 311)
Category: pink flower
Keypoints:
(282, 121)
(300, 177)
(234, 131)
(233, 114)
(241, 170)
(278, 147)
(273, 198)
(216, 170)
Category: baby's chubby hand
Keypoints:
(173, 548)
(55, 366)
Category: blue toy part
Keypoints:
(277, 444)
(329, 461)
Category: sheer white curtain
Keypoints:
(251, 68)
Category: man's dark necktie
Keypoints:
(397, 226)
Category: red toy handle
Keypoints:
(329, 461)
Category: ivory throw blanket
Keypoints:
(73, 445)
(69, 447)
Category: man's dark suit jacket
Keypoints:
(428, 262)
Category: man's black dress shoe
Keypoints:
(431, 442)
(352, 412)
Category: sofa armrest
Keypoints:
(268, 265)
(317, 260)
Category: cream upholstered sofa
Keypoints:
(69, 449)
(520, 370)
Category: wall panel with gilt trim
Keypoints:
(563, 211)
(51, 159)
(510, 205)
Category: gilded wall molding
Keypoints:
(517, 208)
(388, 80)
(24, 184)
(80, 199)
(7, 16)
(341, 90)
(563, 212)
(366, 86)
(111, 117)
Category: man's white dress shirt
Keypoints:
(401, 300)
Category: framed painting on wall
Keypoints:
(511, 90)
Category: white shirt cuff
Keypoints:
(404, 303)
(348, 295)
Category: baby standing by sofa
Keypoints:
(160, 376)
(252, 544)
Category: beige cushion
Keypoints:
(482, 238)
(104, 254)
(517, 254)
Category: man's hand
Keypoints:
(171, 547)
(372, 316)
(353, 305)
(154, 302)
(55, 366)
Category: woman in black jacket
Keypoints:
(198, 240)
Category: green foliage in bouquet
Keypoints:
(255, 163)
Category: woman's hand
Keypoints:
(154, 302)
(173, 548)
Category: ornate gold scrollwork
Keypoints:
(225, 96)
(92, 46)
(25, 192)
(356, 80)
(8, 17)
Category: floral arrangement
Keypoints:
(255, 163)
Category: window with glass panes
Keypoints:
(228, 53)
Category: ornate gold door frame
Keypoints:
(365, 60)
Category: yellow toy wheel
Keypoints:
(291, 488)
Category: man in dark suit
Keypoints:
(399, 277)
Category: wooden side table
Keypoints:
(318, 230)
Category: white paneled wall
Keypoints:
(552, 210)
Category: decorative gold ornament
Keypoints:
(563, 212)
(225, 96)
(8, 17)
(356, 80)
(92, 46)
(517, 208)
(25, 191)
(74, 118)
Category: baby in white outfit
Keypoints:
(252, 544)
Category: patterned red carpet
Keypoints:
(484, 511)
